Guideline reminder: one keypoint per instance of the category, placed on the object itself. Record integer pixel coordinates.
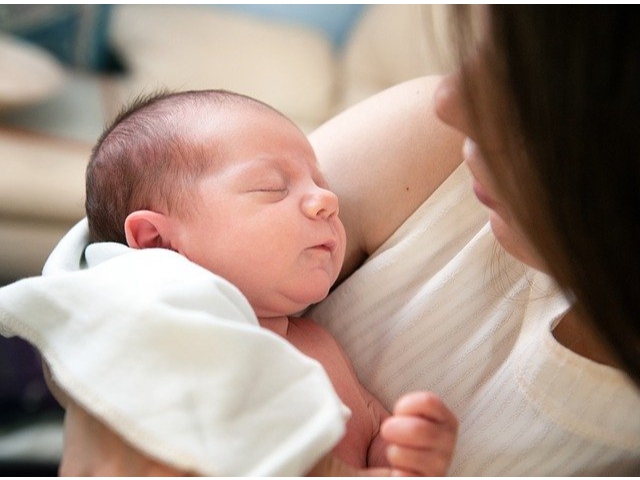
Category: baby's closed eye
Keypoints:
(270, 193)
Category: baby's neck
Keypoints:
(278, 325)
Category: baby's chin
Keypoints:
(319, 295)
(295, 303)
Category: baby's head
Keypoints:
(226, 181)
(152, 153)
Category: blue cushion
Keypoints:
(334, 20)
(75, 34)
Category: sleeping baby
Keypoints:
(233, 186)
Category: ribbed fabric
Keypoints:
(441, 307)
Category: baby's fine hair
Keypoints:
(144, 160)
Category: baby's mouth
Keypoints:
(328, 246)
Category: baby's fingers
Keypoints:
(407, 462)
(416, 432)
(427, 405)
(422, 435)
(421, 420)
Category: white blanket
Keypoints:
(171, 356)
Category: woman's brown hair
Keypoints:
(562, 93)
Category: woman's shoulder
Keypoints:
(383, 158)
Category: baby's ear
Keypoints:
(147, 229)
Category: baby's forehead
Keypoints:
(229, 117)
(234, 104)
(223, 130)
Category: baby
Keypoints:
(234, 186)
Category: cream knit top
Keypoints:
(441, 307)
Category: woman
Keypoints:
(547, 106)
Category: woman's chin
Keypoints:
(514, 242)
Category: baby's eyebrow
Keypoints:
(256, 164)
(282, 166)
(260, 167)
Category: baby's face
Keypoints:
(265, 220)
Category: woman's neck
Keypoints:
(577, 334)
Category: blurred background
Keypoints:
(66, 70)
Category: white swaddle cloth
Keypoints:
(172, 357)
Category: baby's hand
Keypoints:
(421, 434)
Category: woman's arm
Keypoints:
(384, 157)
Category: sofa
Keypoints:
(309, 61)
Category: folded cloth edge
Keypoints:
(302, 441)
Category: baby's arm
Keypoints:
(421, 434)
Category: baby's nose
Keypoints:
(320, 203)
